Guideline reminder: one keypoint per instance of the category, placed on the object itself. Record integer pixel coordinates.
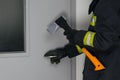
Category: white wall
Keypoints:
(82, 23)
(35, 66)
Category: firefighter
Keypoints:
(102, 39)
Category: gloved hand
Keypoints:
(75, 36)
(69, 32)
(70, 35)
(56, 55)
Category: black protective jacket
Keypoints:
(103, 40)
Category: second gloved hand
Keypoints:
(74, 36)
(70, 35)
(56, 55)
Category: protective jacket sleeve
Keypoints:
(104, 29)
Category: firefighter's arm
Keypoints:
(101, 39)
(106, 33)
(107, 27)
(97, 40)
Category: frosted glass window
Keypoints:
(12, 25)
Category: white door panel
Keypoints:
(42, 12)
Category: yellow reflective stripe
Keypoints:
(93, 21)
(89, 38)
(78, 48)
(85, 38)
(92, 39)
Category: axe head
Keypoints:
(53, 27)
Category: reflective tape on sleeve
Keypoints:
(78, 48)
(93, 20)
(89, 38)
